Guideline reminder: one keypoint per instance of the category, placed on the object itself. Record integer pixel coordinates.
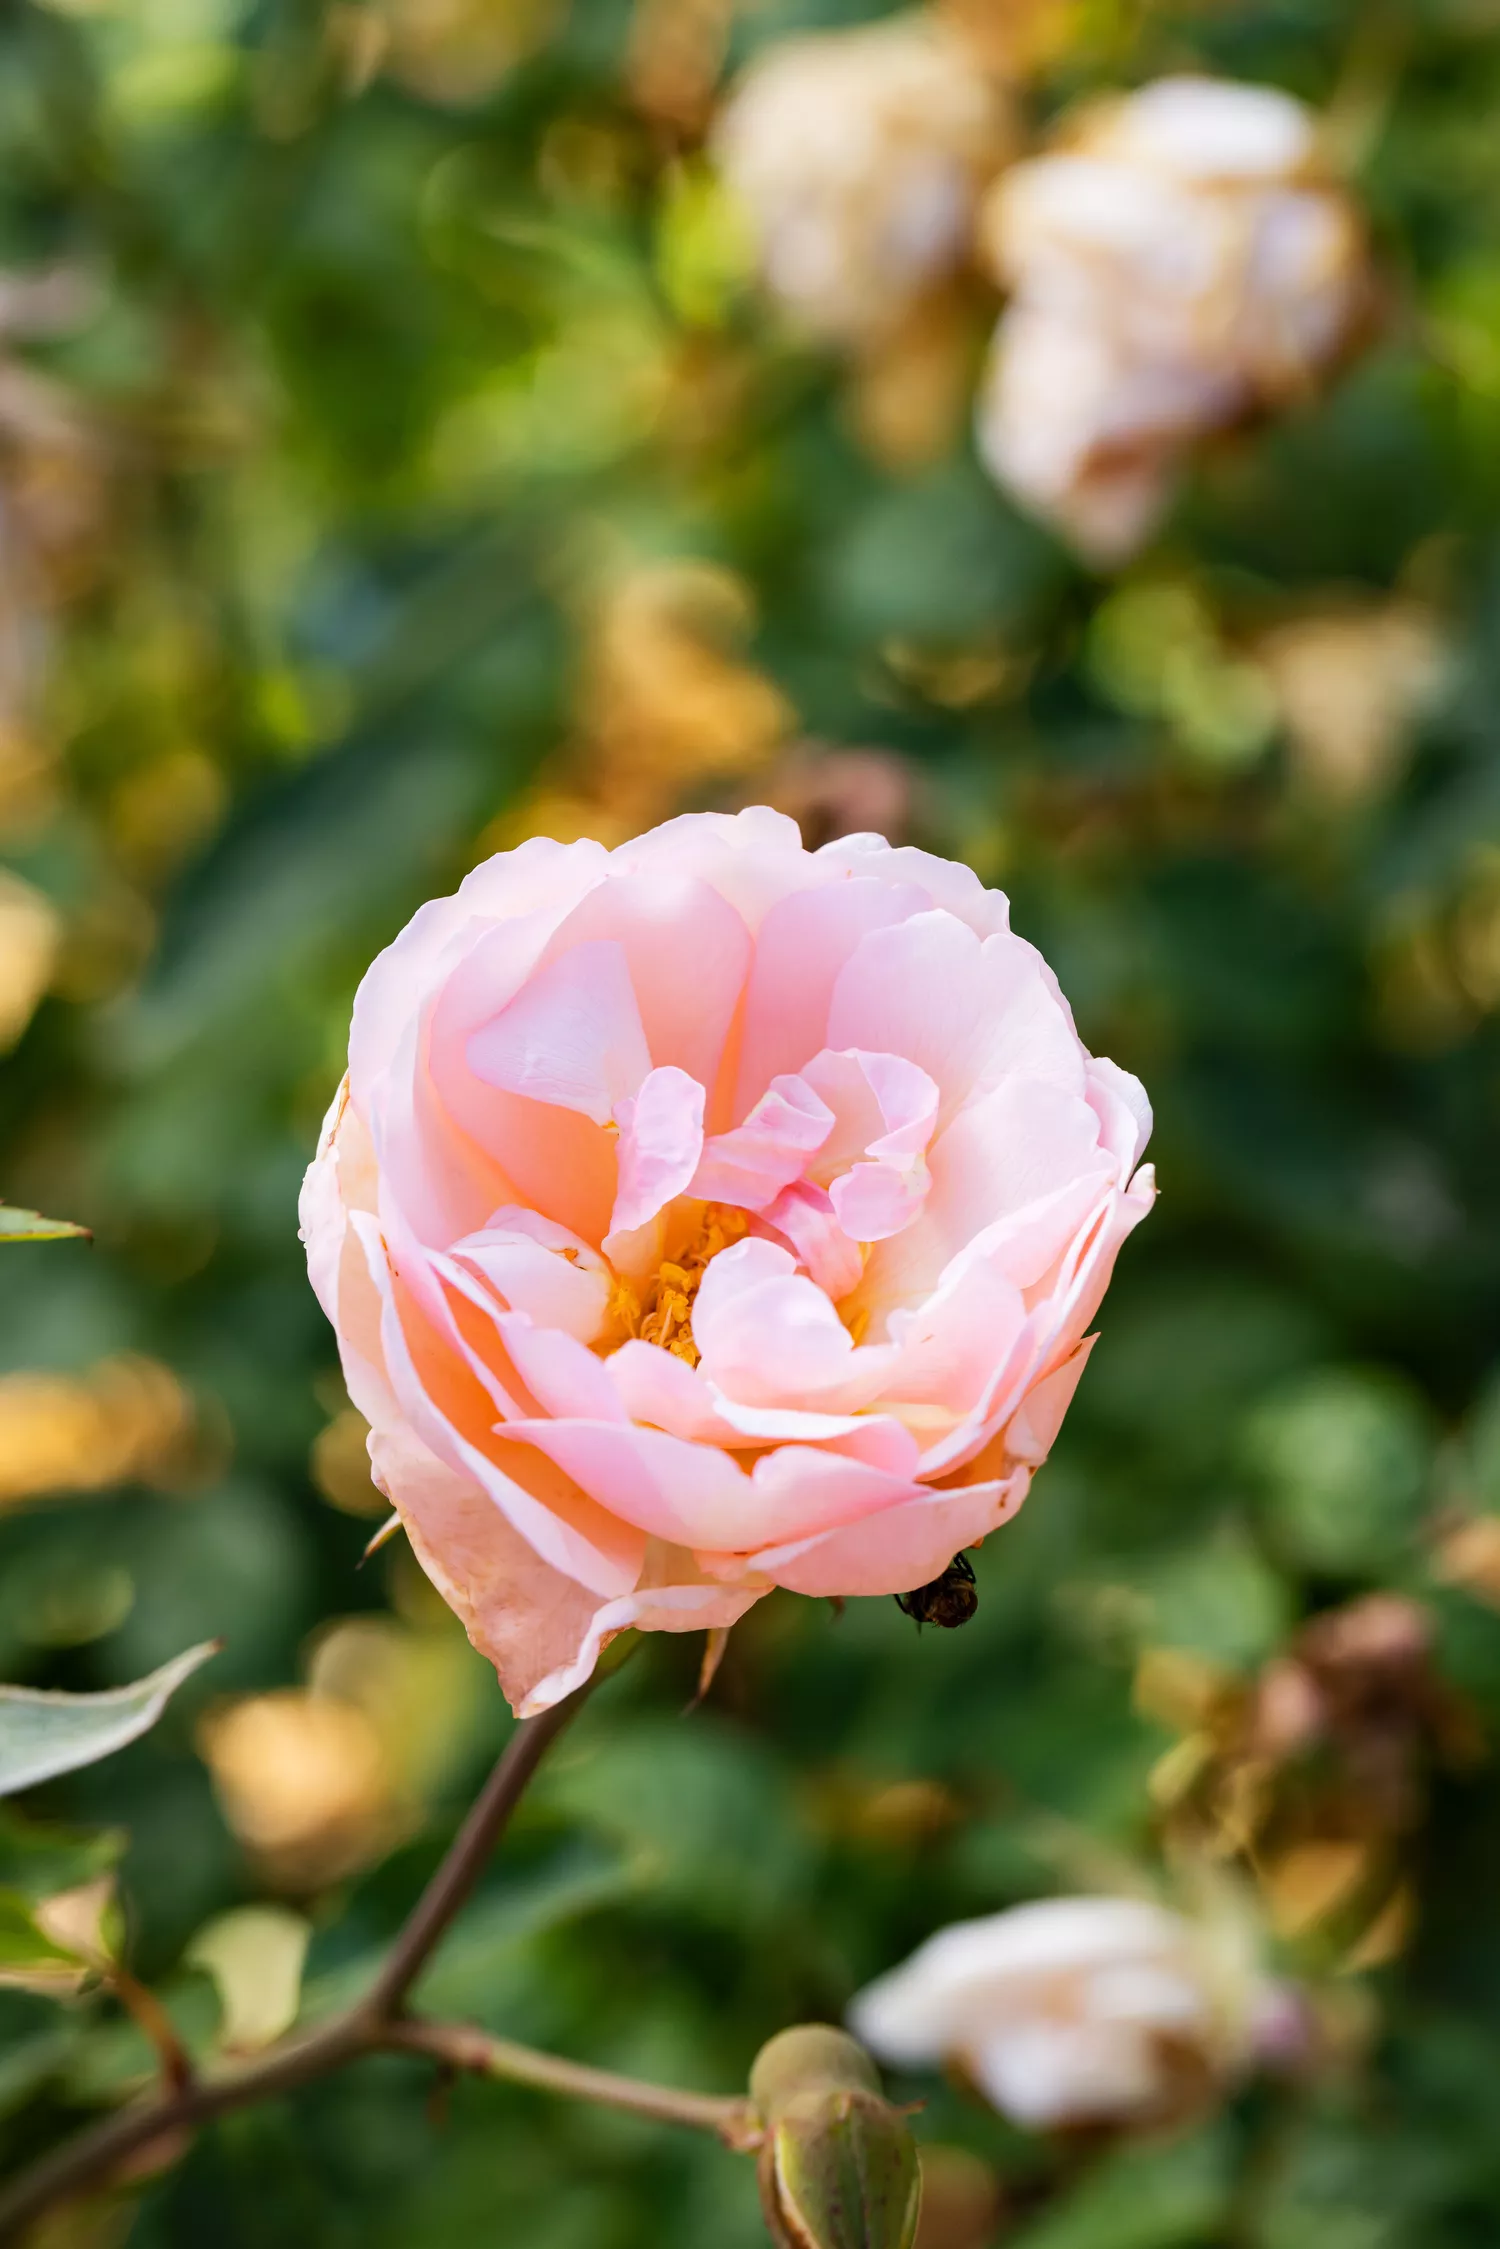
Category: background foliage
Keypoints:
(397, 461)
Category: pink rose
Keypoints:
(710, 1215)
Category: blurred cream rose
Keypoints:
(1178, 263)
(1083, 2010)
(859, 157)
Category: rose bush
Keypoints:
(710, 1215)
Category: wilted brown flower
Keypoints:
(1316, 1770)
(859, 156)
(673, 59)
(30, 927)
(1179, 262)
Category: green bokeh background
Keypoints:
(367, 364)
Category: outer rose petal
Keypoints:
(903, 1546)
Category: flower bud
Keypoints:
(838, 2168)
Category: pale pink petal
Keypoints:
(802, 947)
(751, 858)
(883, 1106)
(697, 1496)
(750, 1165)
(658, 1388)
(1017, 1170)
(804, 1218)
(946, 1351)
(572, 1037)
(1032, 1430)
(661, 1140)
(946, 882)
(687, 954)
(1123, 1110)
(321, 1219)
(970, 1013)
(873, 1201)
(541, 879)
(904, 1546)
(768, 1336)
(1055, 1326)
(564, 1377)
(535, 1266)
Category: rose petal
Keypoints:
(661, 1140)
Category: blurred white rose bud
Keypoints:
(1078, 2011)
(1180, 262)
(859, 157)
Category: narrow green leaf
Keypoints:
(30, 1226)
(42, 1734)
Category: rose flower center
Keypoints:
(662, 1312)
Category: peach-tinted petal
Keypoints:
(661, 1608)
(526, 1617)
(658, 1388)
(567, 1529)
(563, 1376)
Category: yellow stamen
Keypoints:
(663, 1312)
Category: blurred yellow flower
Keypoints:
(1348, 684)
(126, 1420)
(30, 930)
(461, 50)
(304, 1783)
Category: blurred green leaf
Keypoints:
(43, 1734)
(1343, 1458)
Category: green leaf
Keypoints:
(42, 1735)
(38, 1860)
(30, 1226)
